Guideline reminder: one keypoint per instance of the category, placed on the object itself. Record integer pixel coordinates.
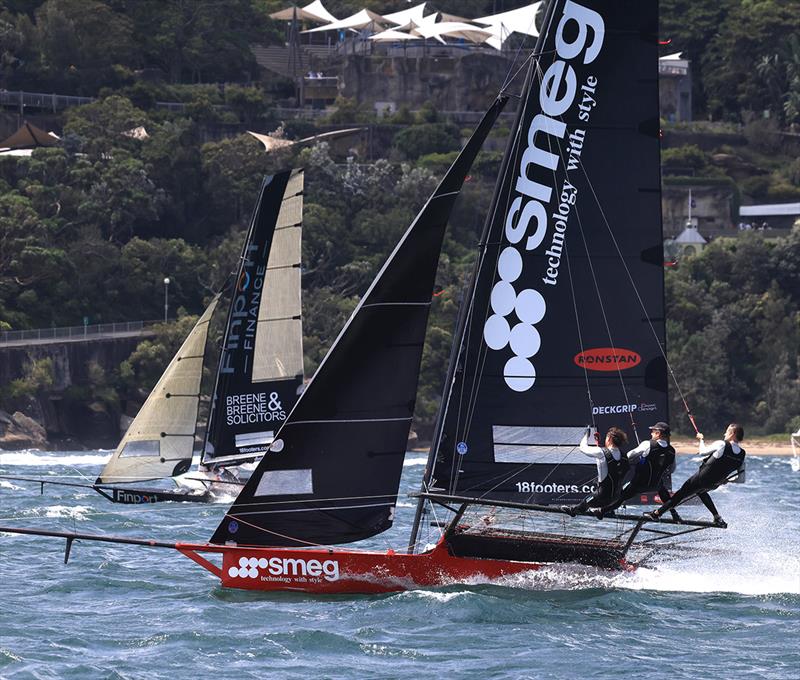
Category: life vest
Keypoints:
(660, 457)
(719, 468)
(617, 469)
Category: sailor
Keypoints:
(723, 458)
(611, 469)
(651, 462)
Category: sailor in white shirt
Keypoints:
(652, 461)
(723, 458)
(611, 469)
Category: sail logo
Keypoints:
(243, 321)
(607, 359)
(282, 567)
(259, 407)
(579, 34)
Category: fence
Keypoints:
(76, 332)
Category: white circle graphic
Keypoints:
(503, 298)
(525, 340)
(496, 331)
(519, 374)
(243, 561)
(253, 572)
(253, 561)
(509, 264)
(530, 306)
(276, 446)
(263, 563)
(243, 572)
(233, 571)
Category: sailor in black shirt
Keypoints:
(723, 458)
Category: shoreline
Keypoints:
(688, 447)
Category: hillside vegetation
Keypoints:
(92, 227)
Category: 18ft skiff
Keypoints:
(562, 325)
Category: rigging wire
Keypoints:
(639, 298)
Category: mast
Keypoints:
(469, 290)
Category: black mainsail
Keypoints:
(333, 472)
(260, 371)
(557, 334)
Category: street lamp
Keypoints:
(166, 298)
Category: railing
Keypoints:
(55, 102)
(76, 332)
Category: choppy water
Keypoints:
(730, 608)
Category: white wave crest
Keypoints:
(78, 512)
(411, 462)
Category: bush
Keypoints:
(682, 158)
(427, 138)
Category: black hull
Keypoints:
(148, 496)
(537, 547)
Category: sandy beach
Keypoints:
(754, 447)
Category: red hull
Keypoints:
(347, 571)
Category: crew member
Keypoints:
(611, 469)
(723, 457)
(651, 461)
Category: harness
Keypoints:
(719, 468)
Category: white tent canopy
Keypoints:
(453, 29)
(522, 20)
(405, 16)
(314, 11)
(361, 19)
(393, 36)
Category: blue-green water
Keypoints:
(729, 608)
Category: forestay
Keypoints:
(332, 475)
(557, 335)
(160, 440)
(261, 364)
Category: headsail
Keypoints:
(261, 363)
(557, 335)
(160, 440)
(332, 476)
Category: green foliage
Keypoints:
(427, 138)
(348, 111)
(734, 332)
(39, 377)
(683, 158)
(751, 61)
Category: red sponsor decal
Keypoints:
(607, 359)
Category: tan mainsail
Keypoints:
(162, 434)
(279, 337)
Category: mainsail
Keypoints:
(557, 334)
(160, 440)
(261, 363)
(332, 475)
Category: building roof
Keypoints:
(690, 235)
(770, 209)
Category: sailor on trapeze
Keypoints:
(651, 462)
(611, 469)
(724, 457)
